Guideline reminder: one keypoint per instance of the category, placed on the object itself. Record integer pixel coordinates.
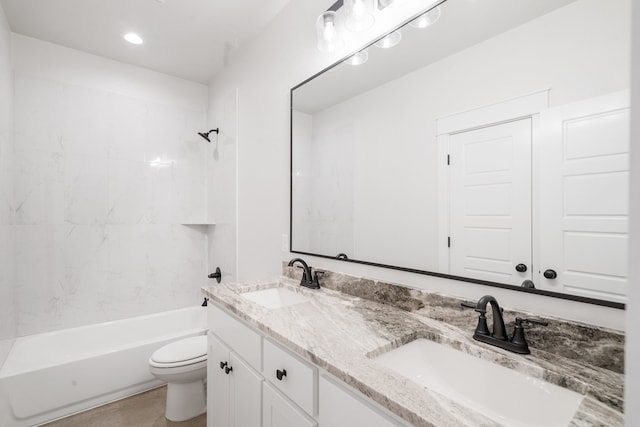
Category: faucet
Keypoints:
(308, 280)
(498, 335)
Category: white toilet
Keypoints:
(183, 365)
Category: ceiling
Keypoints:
(190, 39)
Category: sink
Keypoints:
(504, 395)
(275, 297)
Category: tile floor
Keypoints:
(143, 410)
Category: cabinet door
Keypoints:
(338, 407)
(217, 384)
(245, 394)
(278, 412)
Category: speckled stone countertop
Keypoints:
(341, 332)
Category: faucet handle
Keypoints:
(475, 307)
(316, 282)
(520, 321)
(518, 337)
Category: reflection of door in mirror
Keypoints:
(490, 203)
(584, 182)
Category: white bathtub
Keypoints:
(51, 375)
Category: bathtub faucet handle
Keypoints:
(217, 275)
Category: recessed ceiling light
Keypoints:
(133, 38)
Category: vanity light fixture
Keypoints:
(359, 15)
(358, 59)
(133, 38)
(328, 36)
(427, 19)
(349, 16)
(390, 40)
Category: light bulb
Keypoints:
(427, 19)
(329, 31)
(359, 15)
(328, 37)
(382, 4)
(390, 40)
(358, 59)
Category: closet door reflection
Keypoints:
(490, 199)
(584, 184)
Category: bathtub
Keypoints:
(52, 375)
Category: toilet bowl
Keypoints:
(183, 365)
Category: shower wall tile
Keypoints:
(129, 192)
(8, 311)
(38, 187)
(85, 189)
(103, 182)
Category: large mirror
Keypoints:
(490, 146)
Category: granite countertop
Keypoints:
(341, 333)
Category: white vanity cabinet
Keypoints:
(234, 397)
(279, 412)
(252, 381)
(339, 406)
(294, 377)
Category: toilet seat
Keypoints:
(185, 352)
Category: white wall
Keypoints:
(8, 314)
(264, 72)
(632, 350)
(108, 166)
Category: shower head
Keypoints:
(205, 135)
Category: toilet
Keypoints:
(183, 365)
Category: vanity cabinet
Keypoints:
(278, 412)
(253, 381)
(293, 377)
(234, 397)
(341, 407)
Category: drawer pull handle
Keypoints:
(280, 374)
(223, 364)
(228, 369)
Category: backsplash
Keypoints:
(599, 347)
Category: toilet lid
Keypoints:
(187, 349)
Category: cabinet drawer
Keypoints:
(298, 379)
(243, 340)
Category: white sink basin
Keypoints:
(275, 297)
(502, 394)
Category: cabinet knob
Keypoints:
(223, 364)
(228, 369)
(521, 268)
(550, 274)
(280, 374)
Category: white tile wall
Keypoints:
(104, 181)
(8, 314)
